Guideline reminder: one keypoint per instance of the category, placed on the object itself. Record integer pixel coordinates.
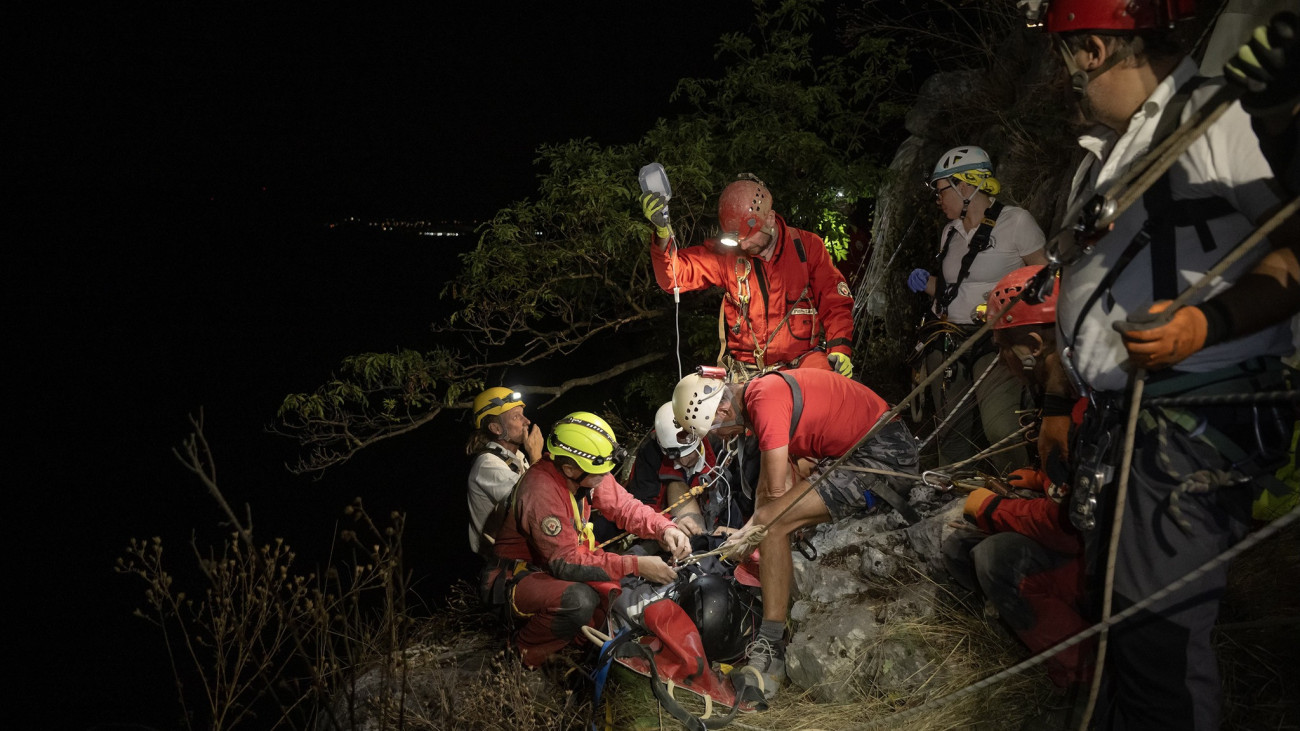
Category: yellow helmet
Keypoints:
(494, 402)
(586, 439)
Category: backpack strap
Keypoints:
(796, 405)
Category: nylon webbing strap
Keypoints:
(898, 502)
(1164, 214)
(796, 401)
(946, 293)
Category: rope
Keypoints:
(952, 413)
(691, 493)
(1121, 495)
(1245, 544)
(998, 447)
(1139, 380)
(1226, 399)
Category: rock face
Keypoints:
(872, 574)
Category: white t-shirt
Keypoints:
(1224, 162)
(490, 481)
(1015, 235)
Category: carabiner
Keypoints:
(944, 482)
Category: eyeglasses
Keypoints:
(682, 438)
(497, 402)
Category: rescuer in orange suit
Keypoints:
(548, 578)
(786, 305)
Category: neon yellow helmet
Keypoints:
(586, 439)
(494, 402)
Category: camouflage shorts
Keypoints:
(847, 492)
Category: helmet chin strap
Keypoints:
(1080, 78)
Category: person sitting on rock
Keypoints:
(798, 414)
(1023, 555)
(504, 443)
(548, 574)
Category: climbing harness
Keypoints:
(1138, 380)
(981, 241)
(952, 413)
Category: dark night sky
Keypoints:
(171, 165)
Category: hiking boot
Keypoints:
(768, 660)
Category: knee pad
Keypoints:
(577, 604)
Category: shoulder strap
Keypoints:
(498, 451)
(796, 406)
(798, 247)
(979, 242)
(941, 284)
(1164, 214)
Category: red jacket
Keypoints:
(803, 284)
(1040, 518)
(541, 527)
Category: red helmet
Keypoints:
(1065, 16)
(1023, 313)
(743, 207)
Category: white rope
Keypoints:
(952, 413)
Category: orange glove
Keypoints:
(979, 508)
(1027, 478)
(1162, 346)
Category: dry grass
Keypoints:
(1258, 636)
(964, 649)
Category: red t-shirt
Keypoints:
(837, 411)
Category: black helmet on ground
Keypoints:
(725, 620)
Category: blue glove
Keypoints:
(917, 280)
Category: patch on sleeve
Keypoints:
(551, 525)
(843, 289)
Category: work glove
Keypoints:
(1159, 347)
(1026, 478)
(656, 212)
(1268, 66)
(979, 507)
(841, 363)
(917, 280)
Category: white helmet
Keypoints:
(667, 430)
(960, 160)
(695, 402)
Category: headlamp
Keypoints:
(497, 402)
